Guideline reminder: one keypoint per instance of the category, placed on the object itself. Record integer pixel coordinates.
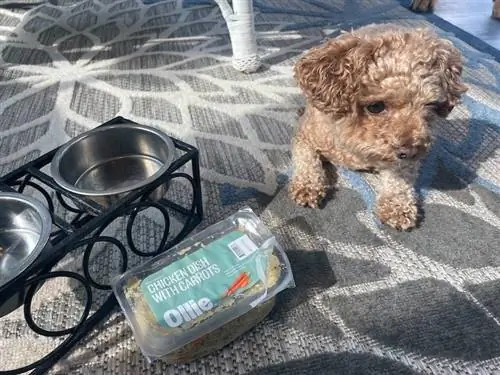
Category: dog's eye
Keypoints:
(441, 108)
(435, 105)
(377, 107)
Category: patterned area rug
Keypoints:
(368, 300)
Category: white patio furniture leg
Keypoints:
(240, 23)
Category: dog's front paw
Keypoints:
(307, 194)
(422, 5)
(397, 212)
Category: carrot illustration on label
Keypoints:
(241, 281)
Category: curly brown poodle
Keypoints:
(428, 5)
(372, 95)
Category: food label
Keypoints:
(192, 286)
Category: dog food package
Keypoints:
(193, 290)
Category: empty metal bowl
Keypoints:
(25, 227)
(108, 162)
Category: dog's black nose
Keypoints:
(406, 153)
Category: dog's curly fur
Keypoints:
(371, 96)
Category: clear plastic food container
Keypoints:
(206, 291)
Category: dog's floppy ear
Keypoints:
(329, 74)
(450, 65)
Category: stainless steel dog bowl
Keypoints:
(108, 162)
(25, 227)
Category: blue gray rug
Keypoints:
(368, 300)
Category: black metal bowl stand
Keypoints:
(84, 230)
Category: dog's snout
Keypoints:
(412, 148)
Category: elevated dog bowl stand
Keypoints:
(84, 231)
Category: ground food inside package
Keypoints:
(226, 272)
